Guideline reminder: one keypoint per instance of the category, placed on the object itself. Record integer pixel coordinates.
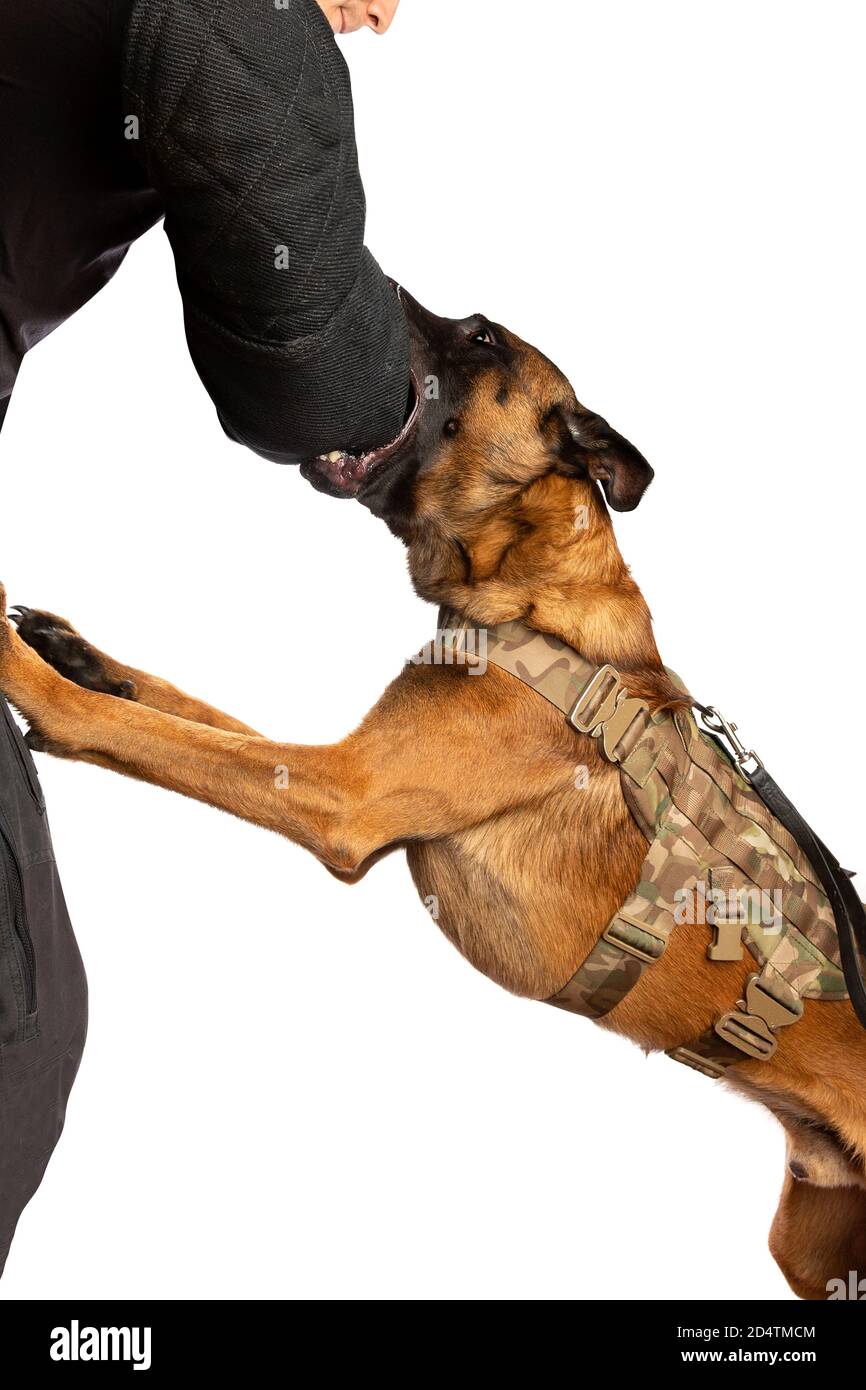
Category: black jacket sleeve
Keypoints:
(242, 111)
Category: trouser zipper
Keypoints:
(21, 938)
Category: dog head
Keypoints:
(491, 418)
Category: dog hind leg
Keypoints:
(818, 1236)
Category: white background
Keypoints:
(296, 1089)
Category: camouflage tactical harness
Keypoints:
(717, 854)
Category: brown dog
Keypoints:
(484, 486)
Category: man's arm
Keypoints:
(245, 126)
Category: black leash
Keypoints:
(848, 910)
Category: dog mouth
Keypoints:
(342, 474)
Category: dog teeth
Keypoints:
(335, 455)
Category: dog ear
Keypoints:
(587, 447)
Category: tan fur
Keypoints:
(526, 872)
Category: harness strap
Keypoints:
(616, 963)
(593, 699)
(596, 703)
(748, 1030)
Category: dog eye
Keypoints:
(483, 336)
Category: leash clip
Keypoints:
(723, 729)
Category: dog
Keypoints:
(483, 486)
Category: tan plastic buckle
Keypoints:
(752, 1027)
(773, 1012)
(648, 956)
(616, 728)
(605, 676)
(614, 710)
(705, 1065)
(749, 1033)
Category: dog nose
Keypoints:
(425, 328)
(417, 315)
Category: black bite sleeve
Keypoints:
(243, 113)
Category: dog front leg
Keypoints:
(303, 793)
(391, 781)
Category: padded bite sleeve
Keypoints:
(246, 129)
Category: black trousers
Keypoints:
(43, 989)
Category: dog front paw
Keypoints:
(37, 692)
(58, 643)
